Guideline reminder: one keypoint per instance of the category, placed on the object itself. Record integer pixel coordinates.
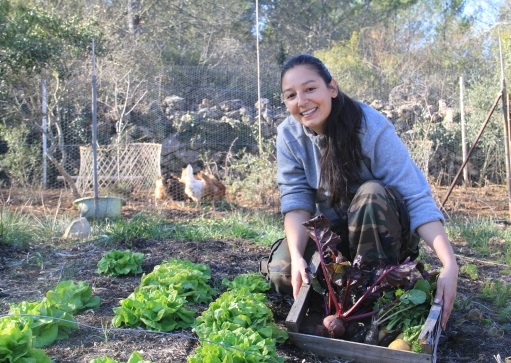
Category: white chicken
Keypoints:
(194, 187)
(203, 185)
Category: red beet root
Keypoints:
(334, 325)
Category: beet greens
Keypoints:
(350, 291)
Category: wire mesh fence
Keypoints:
(211, 119)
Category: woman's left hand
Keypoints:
(435, 237)
(446, 292)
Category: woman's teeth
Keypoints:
(305, 113)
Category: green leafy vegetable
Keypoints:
(16, 343)
(118, 263)
(237, 310)
(239, 345)
(72, 297)
(103, 359)
(135, 357)
(411, 307)
(159, 308)
(238, 326)
(247, 282)
(189, 279)
(47, 322)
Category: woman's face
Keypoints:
(307, 97)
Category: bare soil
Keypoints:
(26, 275)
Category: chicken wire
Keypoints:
(208, 117)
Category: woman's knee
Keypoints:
(371, 187)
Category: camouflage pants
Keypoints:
(375, 228)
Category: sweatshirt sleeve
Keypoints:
(296, 191)
(391, 163)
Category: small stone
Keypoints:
(78, 229)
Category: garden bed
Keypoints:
(473, 334)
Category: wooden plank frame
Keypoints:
(359, 352)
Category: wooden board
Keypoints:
(359, 352)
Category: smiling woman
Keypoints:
(343, 160)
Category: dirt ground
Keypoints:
(471, 335)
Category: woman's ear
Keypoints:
(334, 88)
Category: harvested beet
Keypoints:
(372, 335)
(334, 325)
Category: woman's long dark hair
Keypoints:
(343, 152)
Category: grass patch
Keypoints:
(127, 231)
(259, 227)
(17, 229)
(484, 237)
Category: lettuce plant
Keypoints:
(238, 345)
(72, 297)
(16, 343)
(158, 308)
(238, 326)
(189, 279)
(47, 322)
(135, 357)
(247, 282)
(118, 263)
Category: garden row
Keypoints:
(235, 325)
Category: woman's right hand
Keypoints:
(297, 238)
(299, 275)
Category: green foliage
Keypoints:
(22, 160)
(497, 292)
(135, 357)
(47, 322)
(410, 310)
(251, 282)
(16, 229)
(253, 178)
(187, 278)
(238, 325)
(470, 270)
(16, 343)
(357, 78)
(263, 228)
(72, 297)
(32, 39)
(158, 308)
(160, 301)
(51, 318)
(238, 345)
(479, 235)
(411, 336)
(140, 226)
(19, 229)
(118, 263)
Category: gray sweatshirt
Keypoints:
(386, 159)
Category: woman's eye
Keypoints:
(290, 96)
(310, 89)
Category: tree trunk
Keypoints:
(134, 25)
